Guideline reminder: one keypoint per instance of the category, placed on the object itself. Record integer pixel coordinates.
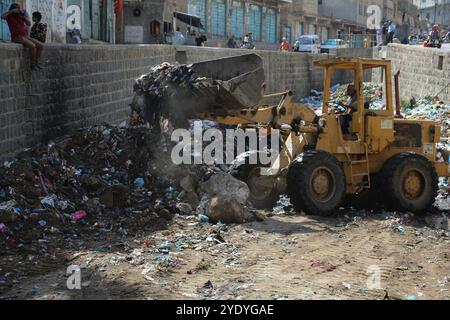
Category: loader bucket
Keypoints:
(239, 81)
(227, 84)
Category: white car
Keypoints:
(332, 44)
(307, 43)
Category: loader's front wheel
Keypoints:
(316, 183)
(410, 183)
(263, 192)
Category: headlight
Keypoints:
(322, 123)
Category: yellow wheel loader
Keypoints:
(319, 167)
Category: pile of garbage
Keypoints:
(106, 177)
(163, 84)
(430, 108)
(96, 174)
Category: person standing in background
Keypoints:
(285, 46)
(391, 32)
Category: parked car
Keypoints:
(332, 44)
(307, 43)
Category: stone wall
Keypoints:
(422, 70)
(80, 86)
(85, 85)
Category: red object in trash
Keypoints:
(77, 216)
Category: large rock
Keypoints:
(225, 185)
(226, 210)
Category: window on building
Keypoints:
(254, 22)
(218, 17)
(288, 33)
(4, 30)
(155, 28)
(298, 30)
(198, 8)
(237, 19)
(271, 26)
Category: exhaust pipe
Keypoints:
(397, 96)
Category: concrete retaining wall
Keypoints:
(423, 70)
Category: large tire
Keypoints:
(410, 183)
(316, 183)
(261, 196)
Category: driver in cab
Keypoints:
(350, 106)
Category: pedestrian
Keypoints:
(232, 42)
(385, 32)
(379, 35)
(200, 40)
(39, 29)
(285, 46)
(18, 20)
(391, 32)
(245, 41)
(179, 38)
(251, 43)
(75, 34)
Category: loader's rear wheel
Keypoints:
(410, 183)
(263, 192)
(316, 183)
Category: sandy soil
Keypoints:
(284, 256)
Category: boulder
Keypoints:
(225, 185)
(225, 209)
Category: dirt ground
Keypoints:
(280, 256)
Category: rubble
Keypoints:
(225, 185)
(225, 209)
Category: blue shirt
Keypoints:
(391, 27)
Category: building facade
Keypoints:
(94, 18)
(152, 19)
(434, 12)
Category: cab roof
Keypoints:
(351, 63)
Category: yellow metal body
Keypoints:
(376, 134)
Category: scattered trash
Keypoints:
(411, 297)
(203, 218)
(208, 285)
(139, 182)
(42, 223)
(2, 227)
(323, 265)
(79, 215)
(401, 229)
(347, 285)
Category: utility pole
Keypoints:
(435, 10)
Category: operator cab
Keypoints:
(356, 116)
